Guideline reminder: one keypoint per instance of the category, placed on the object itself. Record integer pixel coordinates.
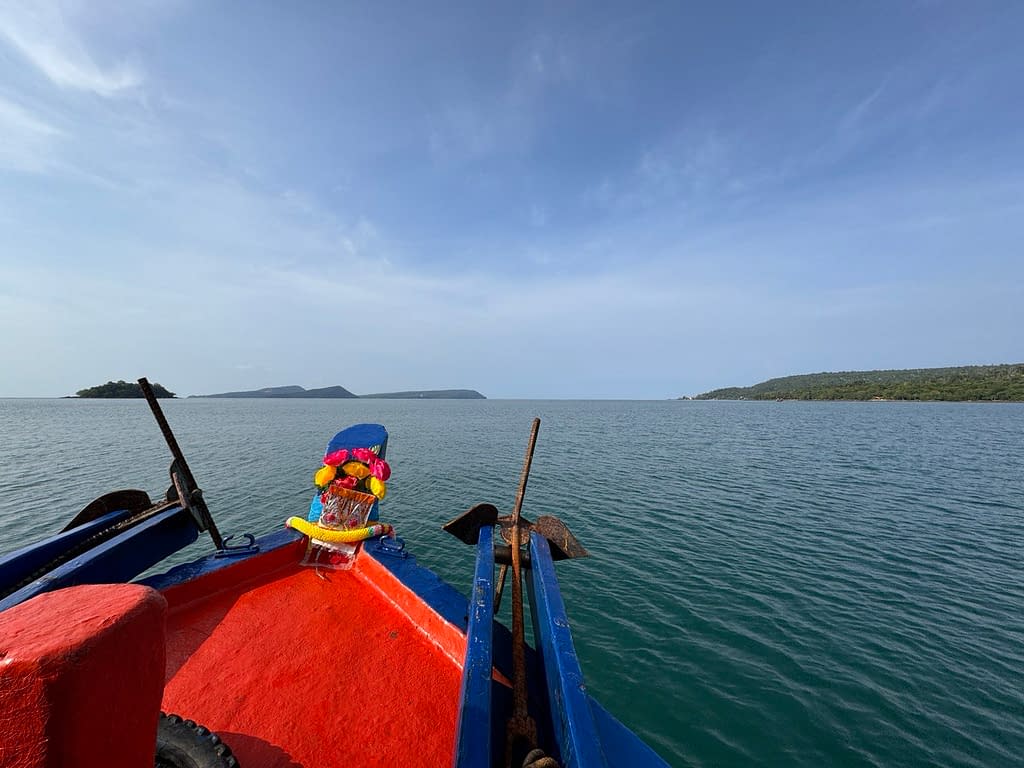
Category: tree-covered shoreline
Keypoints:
(970, 383)
(122, 389)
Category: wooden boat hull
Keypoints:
(381, 664)
(294, 666)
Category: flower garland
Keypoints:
(357, 470)
(331, 536)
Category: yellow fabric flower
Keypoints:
(377, 487)
(355, 469)
(324, 475)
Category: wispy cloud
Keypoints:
(28, 140)
(461, 131)
(856, 116)
(691, 173)
(488, 119)
(44, 34)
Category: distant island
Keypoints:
(291, 391)
(1003, 383)
(428, 394)
(295, 391)
(120, 389)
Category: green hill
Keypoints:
(969, 382)
(118, 389)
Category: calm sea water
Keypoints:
(797, 584)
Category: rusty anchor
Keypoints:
(521, 734)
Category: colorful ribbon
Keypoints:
(350, 535)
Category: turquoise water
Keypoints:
(795, 584)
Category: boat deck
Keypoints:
(374, 680)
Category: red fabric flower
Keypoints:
(336, 458)
(380, 469)
(364, 455)
(346, 482)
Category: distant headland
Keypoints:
(336, 392)
(991, 383)
(290, 391)
(428, 394)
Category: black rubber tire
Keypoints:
(181, 743)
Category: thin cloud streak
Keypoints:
(44, 34)
(28, 140)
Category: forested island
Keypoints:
(964, 383)
(121, 389)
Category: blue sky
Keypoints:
(553, 200)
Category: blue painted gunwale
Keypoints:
(473, 742)
(120, 559)
(23, 562)
(575, 730)
(586, 733)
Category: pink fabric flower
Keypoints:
(380, 469)
(364, 455)
(336, 458)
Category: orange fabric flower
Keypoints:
(324, 475)
(376, 487)
(355, 469)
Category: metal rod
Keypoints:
(501, 586)
(179, 459)
(521, 726)
(525, 475)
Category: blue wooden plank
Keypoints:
(473, 731)
(121, 558)
(372, 436)
(575, 731)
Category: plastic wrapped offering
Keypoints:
(350, 483)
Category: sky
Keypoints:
(555, 200)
